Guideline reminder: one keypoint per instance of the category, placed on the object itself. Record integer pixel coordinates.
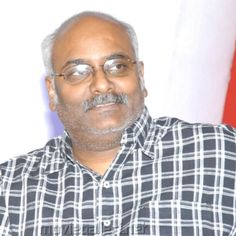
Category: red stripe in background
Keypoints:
(229, 116)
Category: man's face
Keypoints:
(93, 40)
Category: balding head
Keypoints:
(95, 79)
(92, 19)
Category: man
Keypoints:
(116, 171)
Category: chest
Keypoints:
(173, 194)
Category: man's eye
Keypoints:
(77, 73)
(81, 70)
(118, 68)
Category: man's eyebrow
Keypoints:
(117, 56)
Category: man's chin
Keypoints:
(111, 125)
(106, 131)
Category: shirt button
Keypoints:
(106, 184)
(106, 223)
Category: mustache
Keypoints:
(102, 99)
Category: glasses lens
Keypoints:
(77, 73)
(118, 67)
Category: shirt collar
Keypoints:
(143, 134)
(138, 131)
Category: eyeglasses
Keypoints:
(116, 67)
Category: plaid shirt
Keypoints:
(169, 178)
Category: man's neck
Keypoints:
(98, 161)
(95, 151)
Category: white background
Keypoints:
(186, 45)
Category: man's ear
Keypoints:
(141, 78)
(49, 81)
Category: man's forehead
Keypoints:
(91, 28)
(90, 38)
(90, 22)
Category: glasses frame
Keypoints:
(94, 70)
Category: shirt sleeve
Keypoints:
(4, 216)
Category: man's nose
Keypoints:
(101, 83)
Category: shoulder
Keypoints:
(30, 163)
(209, 135)
(172, 124)
(212, 145)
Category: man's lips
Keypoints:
(106, 104)
(107, 107)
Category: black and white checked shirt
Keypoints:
(169, 178)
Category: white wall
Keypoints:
(186, 45)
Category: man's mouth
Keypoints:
(106, 104)
(105, 100)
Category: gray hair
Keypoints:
(48, 42)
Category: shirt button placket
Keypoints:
(97, 200)
(107, 222)
(107, 226)
(106, 184)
